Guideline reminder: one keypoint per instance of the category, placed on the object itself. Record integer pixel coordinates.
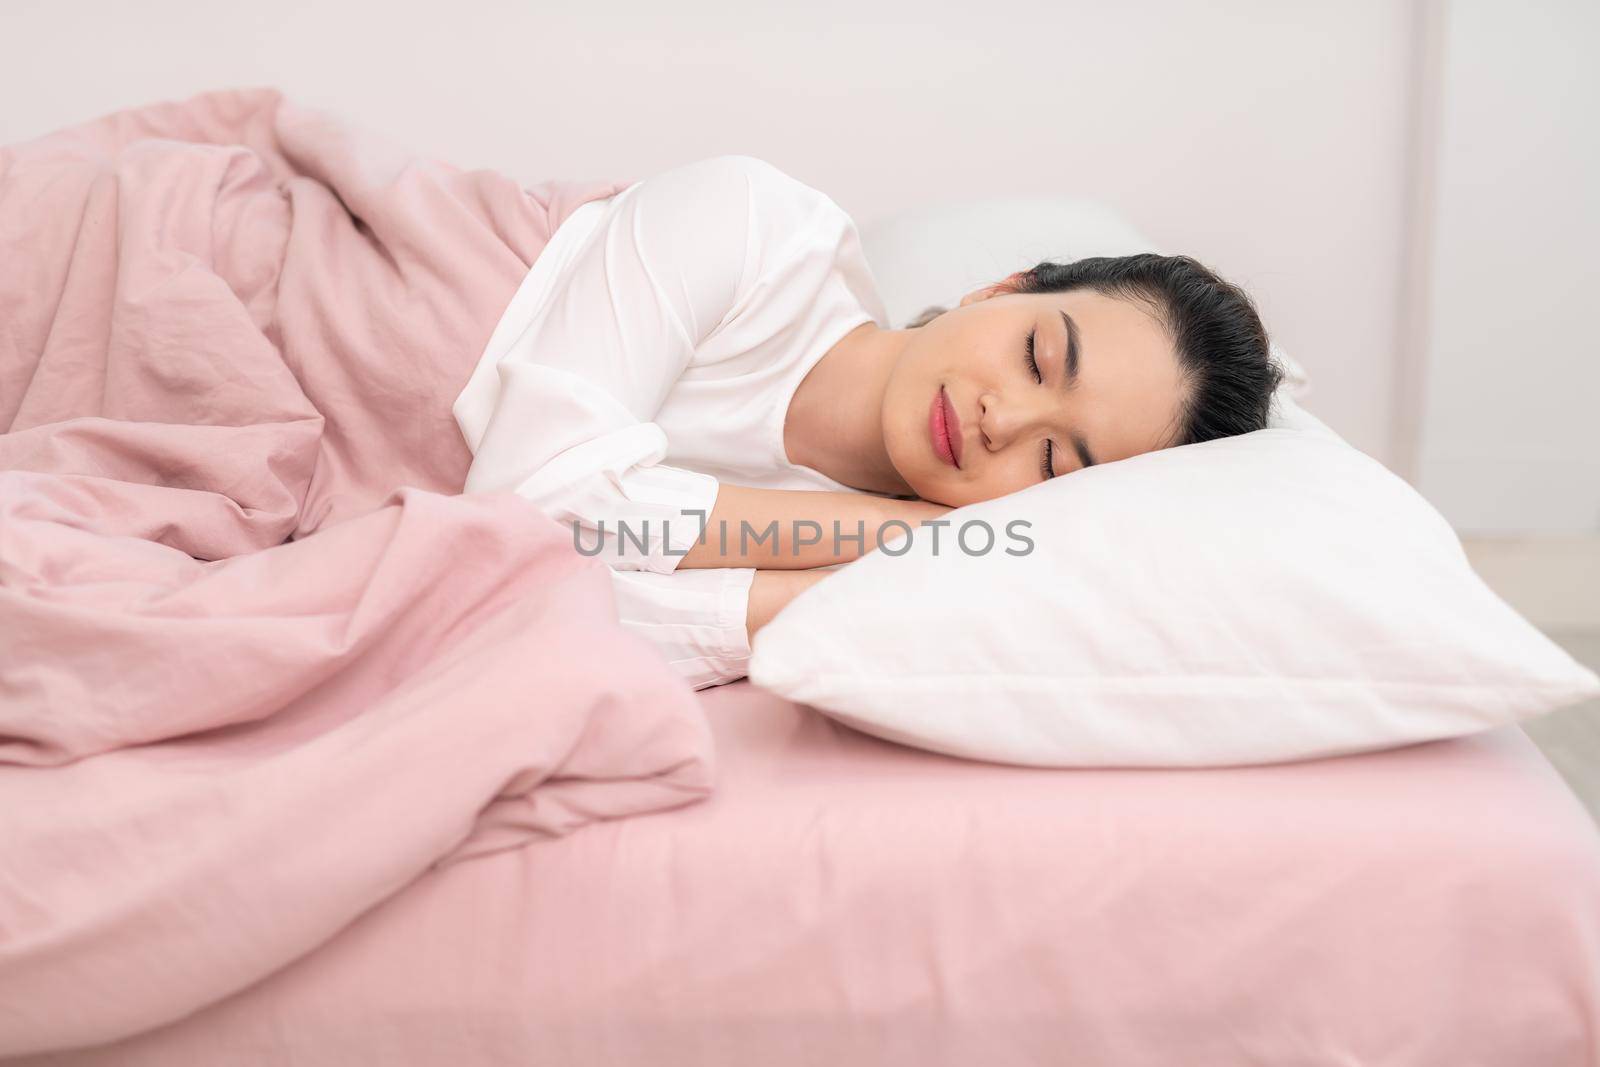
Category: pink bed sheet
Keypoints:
(260, 664)
(842, 900)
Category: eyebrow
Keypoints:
(1072, 350)
(1079, 445)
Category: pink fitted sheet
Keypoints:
(842, 900)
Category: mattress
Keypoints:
(843, 900)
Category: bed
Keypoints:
(844, 900)
(390, 786)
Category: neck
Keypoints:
(835, 419)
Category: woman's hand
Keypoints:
(771, 590)
(798, 529)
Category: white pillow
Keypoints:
(1267, 597)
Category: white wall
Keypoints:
(1510, 426)
(1263, 137)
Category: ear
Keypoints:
(997, 289)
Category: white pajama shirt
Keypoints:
(649, 355)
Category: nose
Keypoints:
(1002, 420)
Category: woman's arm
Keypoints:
(797, 529)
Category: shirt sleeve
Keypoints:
(695, 618)
(560, 409)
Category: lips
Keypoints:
(944, 428)
(952, 426)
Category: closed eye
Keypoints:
(1047, 463)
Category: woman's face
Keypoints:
(965, 378)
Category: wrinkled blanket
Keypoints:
(261, 665)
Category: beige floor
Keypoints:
(1571, 737)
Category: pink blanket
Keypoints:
(260, 665)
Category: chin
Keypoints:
(956, 494)
(936, 490)
(915, 469)
(947, 498)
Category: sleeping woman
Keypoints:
(698, 375)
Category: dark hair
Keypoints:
(1223, 352)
